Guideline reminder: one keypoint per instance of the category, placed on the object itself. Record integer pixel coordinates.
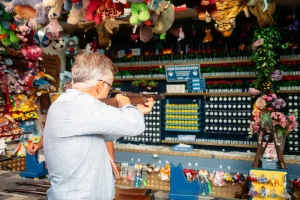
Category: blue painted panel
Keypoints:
(232, 166)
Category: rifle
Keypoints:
(135, 98)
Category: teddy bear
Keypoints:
(78, 15)
(55, 8)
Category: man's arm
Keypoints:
(111, 150)
(89, 116)
(33, 148)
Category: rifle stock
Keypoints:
(135, 98)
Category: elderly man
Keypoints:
(77, 127)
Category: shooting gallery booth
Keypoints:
(224, 76)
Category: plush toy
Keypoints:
(55, 8)
(71, 46)
(228, 12)
(139, 12)
(35, 4)
(164, 21)
(92, 13)
(5, 18)
(32, 52)
(26, 13)
(208, 37)
(23, 31)
(264, 18)
(68, 4)
(53, 30)
(207, 6)
(78, 15)
(7, 36)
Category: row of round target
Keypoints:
(152, 123)
(230, 99)
(153, 113)
(152, 118)
(295, 136)
(152, 129)
(229, 121)
(291, 104)
(227, 128)
(138, 139)
(229, 106)
(228, 114)
(294, 97)
(151, 134)
(293, 143)
(294, 148)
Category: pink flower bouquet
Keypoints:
(266, 116)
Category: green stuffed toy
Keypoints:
(7, 34)
(139, 12)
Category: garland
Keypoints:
(267, 41)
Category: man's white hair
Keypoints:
(91, 67)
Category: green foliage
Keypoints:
(266, 42)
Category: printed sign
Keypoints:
(182, 73)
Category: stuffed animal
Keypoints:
(35, 4)
(208, 37)
(78, 15)
(264, 18)
(69, 4)
(23, 31)
(207, 6)
(139, 12)
(7, 36)
(55, 8)
(92, 13)
(228, 12)
(71, 46)
(32, 52)
(26, 13)
(254, 2)
(5, 18)
(164, 21)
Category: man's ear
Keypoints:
(100, 86)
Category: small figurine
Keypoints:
(263, 192)
(181, 34)
(286, 195)
(252, 192)
(262, 179)
(274, 195)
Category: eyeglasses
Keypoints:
(111, 88)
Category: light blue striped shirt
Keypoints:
(76, 129)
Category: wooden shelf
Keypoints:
(290, 59)
(211, 94)
(210, 144)
(137, 79)
(229, 76)
(288, 91)
(206, 77)
(182, 63)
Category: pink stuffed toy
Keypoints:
(32, 53)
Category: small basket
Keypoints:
(269, 163)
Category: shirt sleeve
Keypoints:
(92, 117)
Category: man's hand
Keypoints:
(32, 148)
(146, 107)
(122, 100)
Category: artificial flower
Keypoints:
(260, 103)
(292, 118)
